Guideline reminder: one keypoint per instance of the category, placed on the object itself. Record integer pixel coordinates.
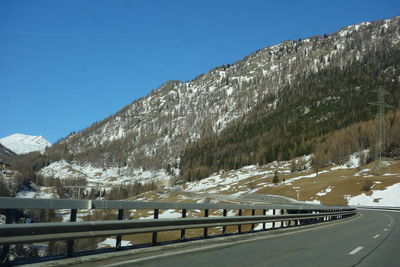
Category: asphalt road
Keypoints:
(370, 240)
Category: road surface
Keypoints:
(372, 239)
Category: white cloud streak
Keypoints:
(43, 34)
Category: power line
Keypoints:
(380, 140)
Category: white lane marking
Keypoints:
(389, 225)
(166, 254)
(354, 251)
(385, 229)
(376, 236)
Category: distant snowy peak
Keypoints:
(21, 143)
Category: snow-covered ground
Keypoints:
(223, 181)
(106, 177)
(387, 197)
(354, 161)
(325, 192)
(235, 182)
(38, 192)
(110, 242)
(226, 186)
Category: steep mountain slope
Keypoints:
(152, 132)
(22, 144)
(5, 153)
(320, 104)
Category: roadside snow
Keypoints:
(110, 242)
(170, 214)
(387, 197)
(313, 202)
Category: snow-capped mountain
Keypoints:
(21, 143)
(153, 131)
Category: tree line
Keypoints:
(306, 114)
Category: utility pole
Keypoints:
(380, 140)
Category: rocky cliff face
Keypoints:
(153, 131)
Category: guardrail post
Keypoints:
(273, 223)
(282, 222)
(253, 212)
(119, 237)
(240, 226)
(305, 221)
(70, 245)
(154, 239)
(224, 227)
(183, 230)
(205, 230)
(264, 213)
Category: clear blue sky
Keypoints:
(65, 64)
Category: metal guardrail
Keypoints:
(389, 208)
(22, 233)
(10, 234)
(36, 203)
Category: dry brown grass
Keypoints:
(342, 181)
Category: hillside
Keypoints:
(319, 104)
(152, 132)
(5, 153)
(350, 183)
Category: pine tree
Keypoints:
(275, 179)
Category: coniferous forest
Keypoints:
(306, 116)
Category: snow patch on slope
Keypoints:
(386, 197)
(106, 177)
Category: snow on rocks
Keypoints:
(354, 161)
(38, 192)
(107, 176)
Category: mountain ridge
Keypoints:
(22, 144)
(153, 131)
